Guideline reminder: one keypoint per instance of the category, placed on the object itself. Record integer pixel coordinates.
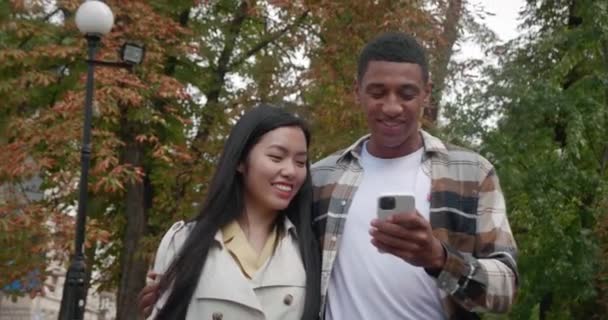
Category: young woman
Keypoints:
(250, 253)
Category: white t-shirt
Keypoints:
(367, 284)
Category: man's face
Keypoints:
(392, 95)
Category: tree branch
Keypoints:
(46, 18)
(172, 61)
(219, 74)
(445, 51)
(234, 30)
(268, 40)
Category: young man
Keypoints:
(455, 253)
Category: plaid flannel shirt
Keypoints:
(467, 214)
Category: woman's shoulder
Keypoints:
(171, 242)
(178, 232)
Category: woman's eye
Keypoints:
(274, 158)
(301, 163)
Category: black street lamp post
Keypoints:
(74, 290)
(93, 18)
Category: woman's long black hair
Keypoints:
(225, 202)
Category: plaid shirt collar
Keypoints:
(431, 146)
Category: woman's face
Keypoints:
(274, 170)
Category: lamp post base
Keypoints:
(74, 297)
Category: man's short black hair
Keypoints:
(393, 47)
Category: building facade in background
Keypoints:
(45, 306)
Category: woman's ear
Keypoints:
(241, 168)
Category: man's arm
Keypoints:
(484, 281)
(487, 280)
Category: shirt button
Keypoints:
(334, 239)
(343, 203)
(217, 316)
(288, 299)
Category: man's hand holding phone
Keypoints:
(401, 231)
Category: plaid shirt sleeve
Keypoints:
(483, 279)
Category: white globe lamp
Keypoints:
(94, 17)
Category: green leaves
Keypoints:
(550, 111)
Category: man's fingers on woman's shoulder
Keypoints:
(151, 277)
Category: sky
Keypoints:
(504, 22)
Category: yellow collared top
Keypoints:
(245, 256)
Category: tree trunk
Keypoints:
(133, 266)
(439, 70)
(545, 306)
(138, 200)
(604, 159)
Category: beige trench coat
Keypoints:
(277, 290)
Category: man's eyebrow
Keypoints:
(374, 85)
(410, 86)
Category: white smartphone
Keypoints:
(389, 204)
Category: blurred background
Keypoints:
(525, 83)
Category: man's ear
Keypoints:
(428, 90)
